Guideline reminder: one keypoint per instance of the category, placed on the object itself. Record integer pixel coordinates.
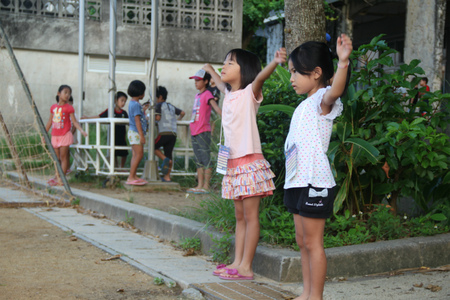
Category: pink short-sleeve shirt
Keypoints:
(239, 122)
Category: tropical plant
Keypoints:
(381, 147)
(412, 153)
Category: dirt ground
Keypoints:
(40, 261)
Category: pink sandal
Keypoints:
(233, 274)
(220, 269)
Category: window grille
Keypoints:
(51, 8)
(216, 15)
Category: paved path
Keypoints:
(159, 259)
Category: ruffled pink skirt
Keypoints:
(248, 176)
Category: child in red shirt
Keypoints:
(61, 119)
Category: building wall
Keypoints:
(176, 41)
(46, 71)
(47, 48)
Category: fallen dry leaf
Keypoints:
(433, 288)
(189, 252)
(73, 238)
(120, 290)
(386, 168)
(112, 257)
(419, 285)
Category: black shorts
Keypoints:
(120, 141)
(167, 142)
(310, 202)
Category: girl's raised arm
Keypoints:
(344, 48)
(279, 58)
(219, 83)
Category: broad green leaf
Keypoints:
(341, 195)
(372, 152)
(383, 188)
(438, 217)
(289, 110)
(284, 75)
(446, 179)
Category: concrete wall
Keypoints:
(46, 71)
(61, 35)
(424, 40)
(47, 52)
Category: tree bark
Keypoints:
(305, 21)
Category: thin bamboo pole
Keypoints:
(34, 108)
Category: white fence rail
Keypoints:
(104, 163)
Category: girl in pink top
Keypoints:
(248, 177)
(61, 119)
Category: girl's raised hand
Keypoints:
(208, 68)
(280, 56)
(344, 47)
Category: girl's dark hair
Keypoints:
(207, 77)
(136, 88)
(249, 63)
(64, 86)
(310, 55)
(120, 95)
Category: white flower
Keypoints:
(405, 217)
(435, 226)
(353, 216)
(360, 212)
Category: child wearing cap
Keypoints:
(201, 130)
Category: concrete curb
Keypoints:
(281, 265)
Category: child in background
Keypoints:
(248, 176)
(309, 183)
(424, 83)
(201, 130)
(214, 90)
(216, 94)
(120, 129)
(137, 130)
(60, 120)
(166, 116)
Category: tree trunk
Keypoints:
(305, 21)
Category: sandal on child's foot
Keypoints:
(233, 274)
(220, 269)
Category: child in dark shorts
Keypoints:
(120, 129)
(299, 201)
(166, 116)
(309, 183)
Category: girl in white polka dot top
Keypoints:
(309, 185)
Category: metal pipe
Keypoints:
(112, 73)
(81, 27)
(151, 170)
